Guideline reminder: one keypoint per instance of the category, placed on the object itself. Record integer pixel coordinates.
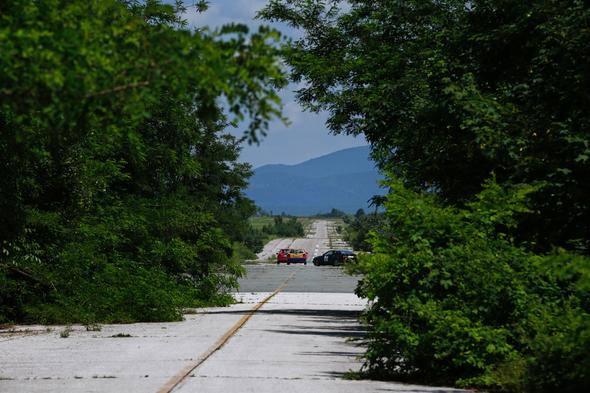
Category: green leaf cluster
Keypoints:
(120, 194)
(448, 92)
(456, 301)
(360, 228)
(479, 111)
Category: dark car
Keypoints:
(334, 257)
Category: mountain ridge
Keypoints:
(345, 180)
(332, 163)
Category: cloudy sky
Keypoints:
(306, 137)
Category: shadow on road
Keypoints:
(338, 346)
(310, 332)
(403, 389)
(342, 315)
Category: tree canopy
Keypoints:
(120, 193)
(477, 111)
(448, 92)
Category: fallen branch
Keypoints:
(28, 275)
(118, 89)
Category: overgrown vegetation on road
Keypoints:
(265, 228)
(120, 195)
(477, 110)
(459, 301)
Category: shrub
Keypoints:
(456, 301)
(281, 227)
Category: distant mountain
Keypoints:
(344, 180)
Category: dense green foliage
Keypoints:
(334, 213)
(449, 91)
(284, 227)
(458, 302)
(359, 228)
(120, 196)
(478, 111)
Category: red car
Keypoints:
(291, 255)
(283, 255)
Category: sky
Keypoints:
(307, 136)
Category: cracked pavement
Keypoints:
(298, 342)
(307, 338)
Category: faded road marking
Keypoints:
(176, 380)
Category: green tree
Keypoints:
(456, 301)
(334, 213)
(466, 104)
(360, 228)
(449, 91)
(282, 227)
(119, 192)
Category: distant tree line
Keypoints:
(478, 112)
(334, 213)
(255, 237)
(120, 194)
(284, 227)
(360, 228)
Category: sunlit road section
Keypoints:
(307, 338)
(294, 329)
(316, 242)
(266, 276)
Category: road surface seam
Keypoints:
(176, 380)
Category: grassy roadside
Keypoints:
(259, 223)
(268, 228)
(336, 227)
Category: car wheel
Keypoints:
(288, 263)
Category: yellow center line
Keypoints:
(177, 379)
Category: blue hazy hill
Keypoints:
(344, 180)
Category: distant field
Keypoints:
(259, 222)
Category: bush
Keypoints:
(284, 228)
(456, 301)
(334, 213)
(128, 262)
(358, 231)
(243, 252)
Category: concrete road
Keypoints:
(119, 358)
(296, 343)
(321, 237)
(294, 329)
(306, 278)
